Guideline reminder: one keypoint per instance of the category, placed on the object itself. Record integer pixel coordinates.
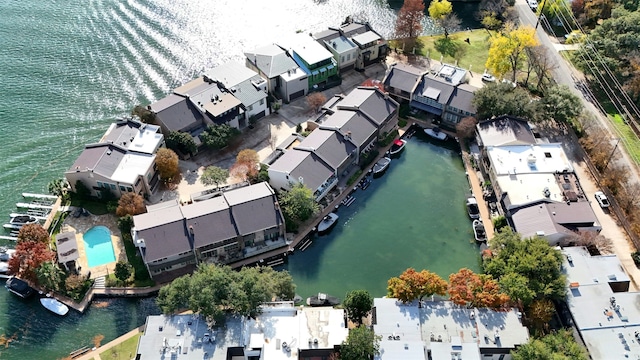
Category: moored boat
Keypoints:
(381, 166)
(54, 306)
(327, 223)
(472, 208)
(322, 299)
(364, 183)
(19, 287)
(397, 147)
(479, 232)
(436, 133)
(22, 219)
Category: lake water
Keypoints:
(69, 68)
(412, 216)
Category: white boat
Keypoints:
(436, 133)
(13, 226)
(382, 165)
(479, 232)
(35, 215)
(397, 147)
(472, 208)
(327, 223)
(5, 255)
(54, 306)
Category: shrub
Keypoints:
(636, 258)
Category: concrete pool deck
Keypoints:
(81, 225)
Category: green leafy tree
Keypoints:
(527, 269)
(123, 271)
(214, 175)
(560, 104)
(219, 136)
(440, 12)
(298, 204)
(502, 99)
(49, 275)
(168, 164)
(556, 346)
(358, 303)
(57, 187)
(182, 142)
(145, 115)
(260, 176)
(362, 343)
(81, 190)
(211, 290)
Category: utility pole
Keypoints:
(544, 3)
(612, 152)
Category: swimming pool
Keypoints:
(98, 246)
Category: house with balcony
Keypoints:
(503, 131)
(344, 51)
(402, 80)
(285, 79)
(135, 136)
(235, 224)
(372, 47)
(316, 61)
(334, 148)
(246, 85)
(443, 330)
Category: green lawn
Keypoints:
(126, 350)
(630, 140)
(472, 54)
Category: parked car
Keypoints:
(602, 200)
(488, 77)
(533, 5)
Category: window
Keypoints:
(122, 188)
(261, 101)
(250, 107)
(547, 154)
(113, 186)
(129, 189)
(348, 57)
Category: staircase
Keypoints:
(99, 282)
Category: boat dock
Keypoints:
(34, 206)
(39, 196)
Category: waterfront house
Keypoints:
(298, 166)
(402, 80)
(172, 238)
(110, 167)
(334, 148)
(279, 331)
(503, 131)
(285, 79)
(135, 136)
(316, 61)
(599, 305)
(245, 85)
(344, 51)
(442, 330)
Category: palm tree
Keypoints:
(58, 187)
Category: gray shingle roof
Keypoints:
(326, 35)
(430, 82)
(303, 164)
(462, 98)
(354, 28)
(247, 93)
(505, 130)
(163, 231)
(552, 217)
(351, 122)
(176, 113)
(340, 44)
(330, 146)
(253, 208)
(403, 77)
(211, 221)
(271, 60)
(102, 158)
(370, 101)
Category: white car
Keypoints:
(533, 5)
(488, 77)
(602, 200)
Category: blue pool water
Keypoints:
(98, 246)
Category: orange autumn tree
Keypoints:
(467, 288)
(412, 285)
(28, 257)
(246, 165)
(33, 232)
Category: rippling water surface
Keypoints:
(69, 68)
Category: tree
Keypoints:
(492, 13)
(596, 241)
(249, 157)
(440, 12)
(506, 52)
(81, 190)
(212, 289)
(28, 257)
(214, 175)
(130, 204)
(475, 290)
(262, 175)
(58, 187)
(502, 99)
(466, 128)
(540, 313)
(33, 232)
(358, 303)
(145, 115)
(409, 21)
(555, 346)
(413, 285)
(560, 104)
(532, 263)
(541, 63)
(297, 204)
(362, 343)
(181, 141)
(123, 271)
(219, 136)
(167, 163)
(246, 164)
(315, 101)
(49, 275)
